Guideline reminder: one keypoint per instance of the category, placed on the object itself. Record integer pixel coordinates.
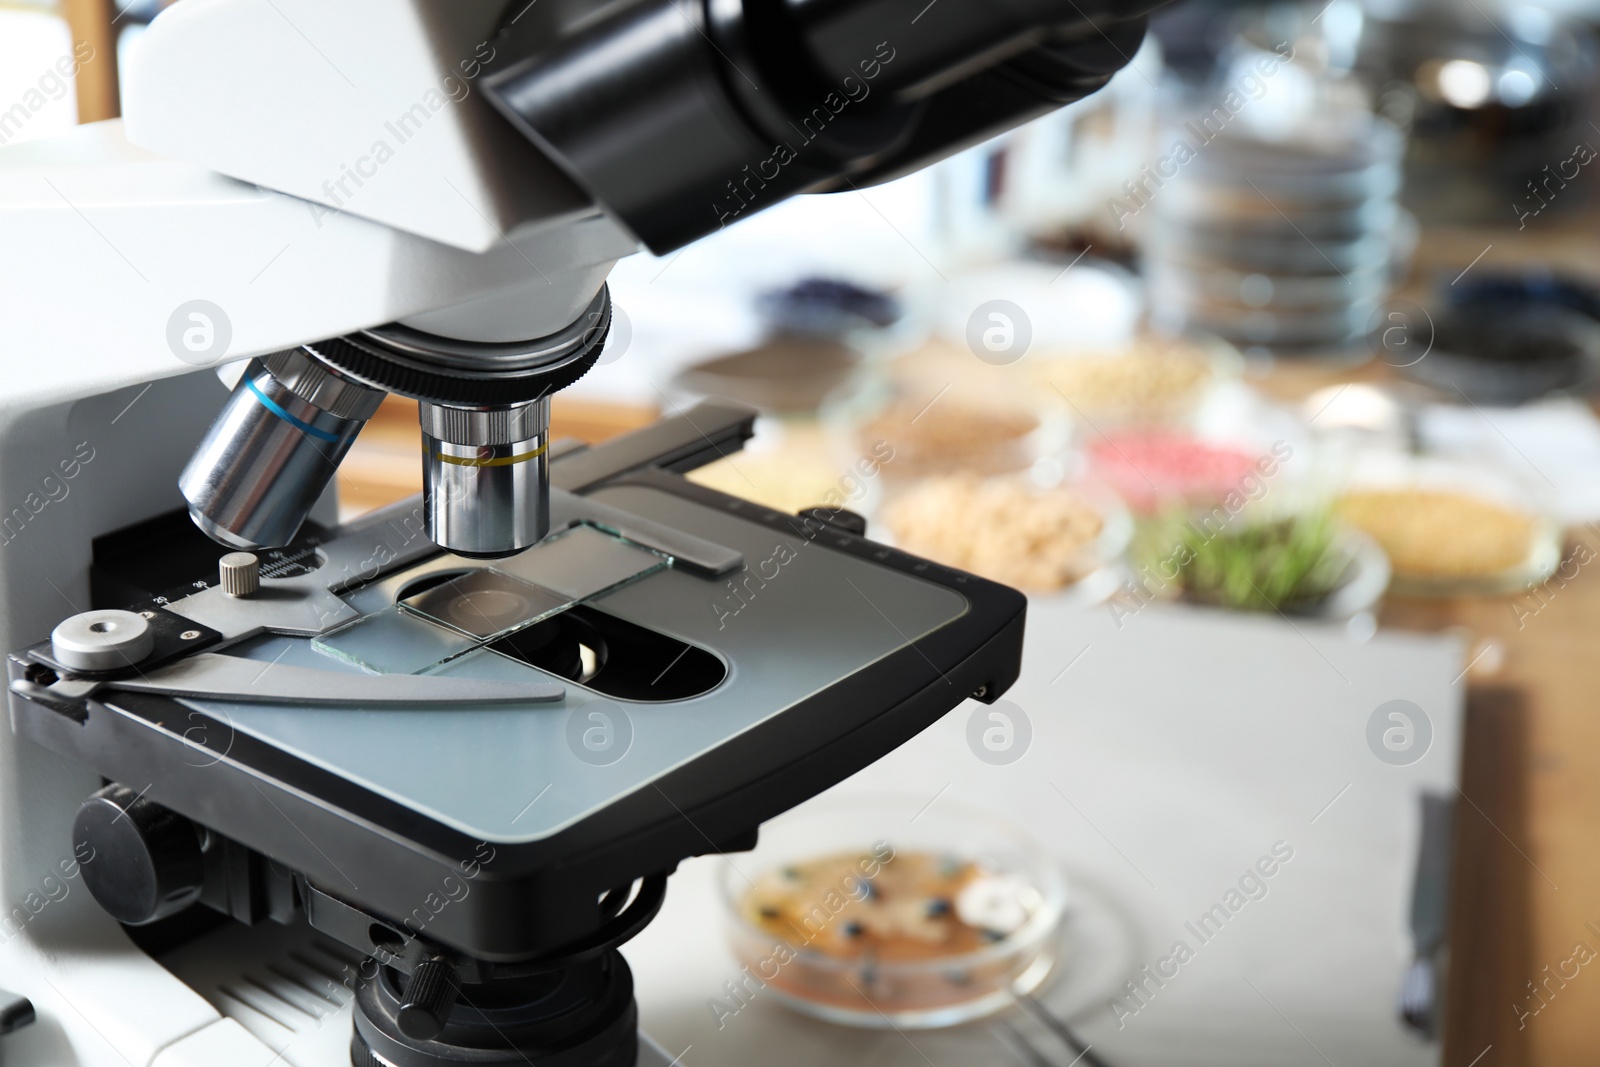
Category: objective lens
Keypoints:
(485, 477)
(273, 449)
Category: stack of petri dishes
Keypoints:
(1286, 246)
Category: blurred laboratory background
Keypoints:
(1269, 374)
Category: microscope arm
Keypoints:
(89, 216)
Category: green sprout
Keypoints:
(1275, 565)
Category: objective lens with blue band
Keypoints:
(303, 427)
(274, 449)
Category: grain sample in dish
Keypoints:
(1001, 529)
(1441, 534)
(1151, 380)
(941, 367)
(939, 434)
(1152, 469)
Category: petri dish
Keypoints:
(872, 914)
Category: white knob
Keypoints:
(241, 573)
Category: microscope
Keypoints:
(432, 767)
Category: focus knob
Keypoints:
(15, 1012)
(240, 573)
(429, 997)
(143, 862)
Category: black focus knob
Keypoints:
(429, 997)
(142, 861)
(15, 1012)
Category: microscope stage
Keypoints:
(824, 616)
(708, 669)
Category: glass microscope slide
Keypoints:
(393, 641)
(583, 562)
(486, 604)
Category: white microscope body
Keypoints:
(305, 170)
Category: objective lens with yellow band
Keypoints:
(503, 461)
(485, 477)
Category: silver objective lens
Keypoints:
(273, 449)
(486, 477)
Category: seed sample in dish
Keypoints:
(1434, 533)
(1153, 469)
(941, 434)
(1153, 379)
(1001, 529)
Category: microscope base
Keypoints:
(582, 1015)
